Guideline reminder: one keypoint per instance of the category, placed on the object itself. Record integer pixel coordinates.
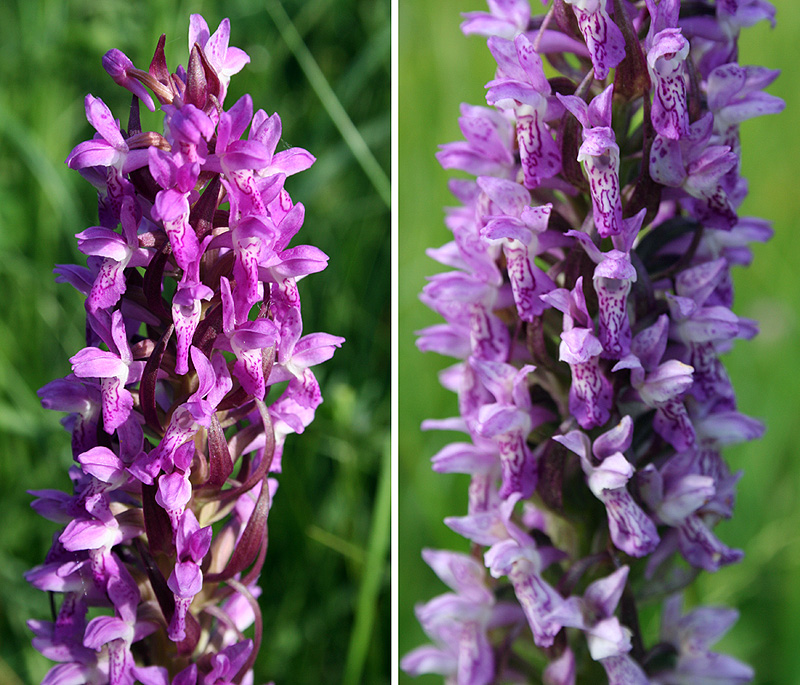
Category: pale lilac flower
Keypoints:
(594, 615)
(520, 85)
(698, 168)
(519, 238)
(506, 18)
(630, 528)
(487, 148)
(691, 635)
(457, 622)
(603, 38)
(587, 301)
(665, 59)
(612, 280)
(590, 395)
(523, 563)
(507, 423)
(600, 156)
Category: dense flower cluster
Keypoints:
(192, 318)
(590, 302)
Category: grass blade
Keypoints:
(373, 573)
(352, 138)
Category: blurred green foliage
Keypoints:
(326, 580)
(440, 68)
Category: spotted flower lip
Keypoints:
(603, 37)
(195, 371)
(587, 299)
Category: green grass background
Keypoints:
(326, 580)
(440, 68)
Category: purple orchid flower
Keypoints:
(594, 614)
(523, 563)
(467, 613)
(692, 635)
(590, 395)
(666, 57)
(603, 38)
(600, 156)
(507, 422)
(678, 499)
(110, 149)
(612, 280)
(513, 553)
(186, 580)
(226, 60)
(115, 369)
(520, 85)
(118, 251)
(699, 169)
(617, 454)
(487, 148)
(191, 304)
(505, 18)
(519, 238)
(630, 528)
(661, 385)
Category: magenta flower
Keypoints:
(193, 316)
(115, 370)
(224, 59)
(110, 149)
